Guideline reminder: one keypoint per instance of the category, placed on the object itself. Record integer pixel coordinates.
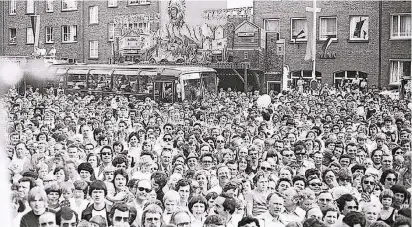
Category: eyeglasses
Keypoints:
(345, 179)
(119, 219)
(368, 182)
(105, 153)
(391, 179)
(266, 168)
(353, 207)
(316, 184)
(147, 190)
(152, 219)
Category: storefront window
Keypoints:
(76, 81)
(100, 81)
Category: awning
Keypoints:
(127, 72)
(190, 76)
(78, 71)
(101, 71)
(148, 73)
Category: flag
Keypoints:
(300, 35)
(358, 28)
(35, 24)
(309, 55)
(327, 43)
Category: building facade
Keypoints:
(92, 31)
(369, 39)
(79, 31)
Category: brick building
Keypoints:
(80, 31)
(370, 39)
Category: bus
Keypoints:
(161, 83)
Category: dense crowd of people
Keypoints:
(337, 158)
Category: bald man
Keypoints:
(47, 219)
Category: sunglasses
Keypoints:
(119, 219)
(147, 190)
(220, 141)
(391, 179)
(167, 139)
(105, 153)
(266, 168)
(345, 179)
(368, 182)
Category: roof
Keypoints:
(182, 69)
(246, 22)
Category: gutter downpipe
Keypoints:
(380, 45)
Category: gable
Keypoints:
(246, 27)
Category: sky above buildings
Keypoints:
(239, 3)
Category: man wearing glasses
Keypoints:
(106, 157)
(121, 215)
(302, 164)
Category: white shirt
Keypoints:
(297, 215)
(101, 213)
(267, 220)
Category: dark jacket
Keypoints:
(87, 213)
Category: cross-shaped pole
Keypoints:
(314, 10)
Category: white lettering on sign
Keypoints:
(246, 34)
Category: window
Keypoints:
(94, 49)
(69, 33)
(112, 3)
(49, 34)
(29, 36)
(30, 6)
(271, 25)
(342, 78)
(12, 36)
(49, 6)
(328, 28)
(69, 5)
(111, 31)
(139, 2)
(246, 55)
(299, 29)
(399, 69)
(401, 26)
(94, 15)
(12, 7)
(359, 28)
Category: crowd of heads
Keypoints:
(335, 158)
